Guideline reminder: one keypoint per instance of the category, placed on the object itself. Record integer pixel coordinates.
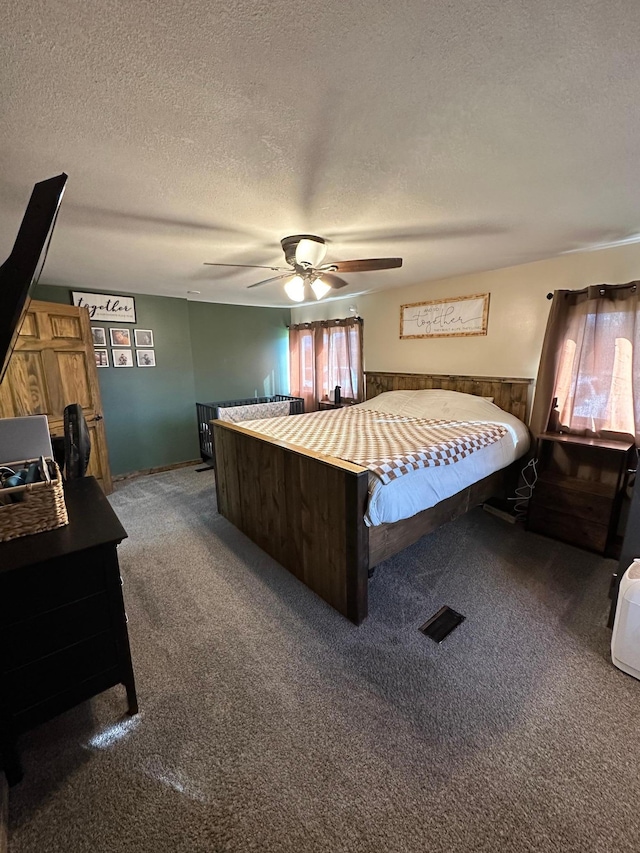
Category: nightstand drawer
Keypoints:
(50, 632)
(567, 527)
(578, 502)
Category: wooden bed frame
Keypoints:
(307, 510)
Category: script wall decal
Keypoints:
(461, 316)
(107, 307)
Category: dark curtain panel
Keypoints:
(590, 363)
(548, 366)
(302, 365)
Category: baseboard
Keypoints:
(157, 470)
(4, 814)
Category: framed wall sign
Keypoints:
(460, 316)
(106, 307)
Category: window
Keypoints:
(340, 362)
(323, 355)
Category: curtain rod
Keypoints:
(324, 322)
(603, 288)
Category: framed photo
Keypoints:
(143, 337)
(461, 316)
(122, 357)
(120, 337)
(102, 357)
(146, 357)
(99, 336)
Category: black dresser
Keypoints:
(63, 628)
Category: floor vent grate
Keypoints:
(442, 624)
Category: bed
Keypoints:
(318, 515)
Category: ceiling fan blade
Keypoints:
(364, 265)
(335, 281)
(246, 266)
(269, 280)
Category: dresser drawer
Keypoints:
(58, 672)
(46, 633)
(37, 589)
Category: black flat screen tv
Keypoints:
(22, 268)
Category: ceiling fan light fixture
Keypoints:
(320, 288)
(310, 252)
(295, 288)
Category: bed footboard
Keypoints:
(304, 509)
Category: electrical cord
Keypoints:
(524, 493)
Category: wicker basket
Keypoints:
(41, 508)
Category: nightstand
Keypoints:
(581, 482)
(328, 404)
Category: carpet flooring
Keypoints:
(270, 723)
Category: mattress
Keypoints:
(425, 487)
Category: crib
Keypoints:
(208, 412)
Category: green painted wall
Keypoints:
(204, 352)
(239, 351)
(149, 413)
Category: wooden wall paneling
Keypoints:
(305, 510)
(512, 395)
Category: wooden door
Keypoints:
(52, 366)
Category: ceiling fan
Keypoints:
(305, 253)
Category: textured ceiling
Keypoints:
(461, 135)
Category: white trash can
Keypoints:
(625, 640)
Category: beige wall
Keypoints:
(518, 313)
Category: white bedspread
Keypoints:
(425, 487)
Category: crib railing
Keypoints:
(208, 412)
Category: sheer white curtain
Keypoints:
(340, 360)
